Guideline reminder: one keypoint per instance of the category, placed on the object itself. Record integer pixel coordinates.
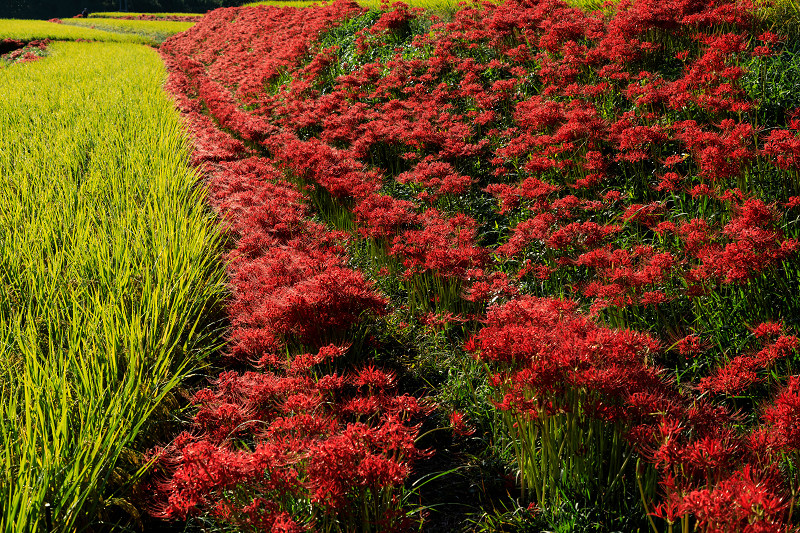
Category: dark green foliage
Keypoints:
(775, 82)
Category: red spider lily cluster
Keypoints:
(590, 189)
(306, 437)
(16, 51)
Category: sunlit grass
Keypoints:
(108, 269)
(783, 15)
(157, 30)
(39, 29)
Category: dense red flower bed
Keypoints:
(594, 189)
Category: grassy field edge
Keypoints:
(109, 279)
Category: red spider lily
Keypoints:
(780, 420)
(690, 345)
(755, 244)
(445, 246)
(459, 424)
(443, 121)
(741, 503)
(742, 371)
(783, 148)
(438, 176)
(383, 217)
(528, 337)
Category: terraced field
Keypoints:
(109, 281)
(502, 267)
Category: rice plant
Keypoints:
(109, 269)
(155, 30)
(27, 30)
